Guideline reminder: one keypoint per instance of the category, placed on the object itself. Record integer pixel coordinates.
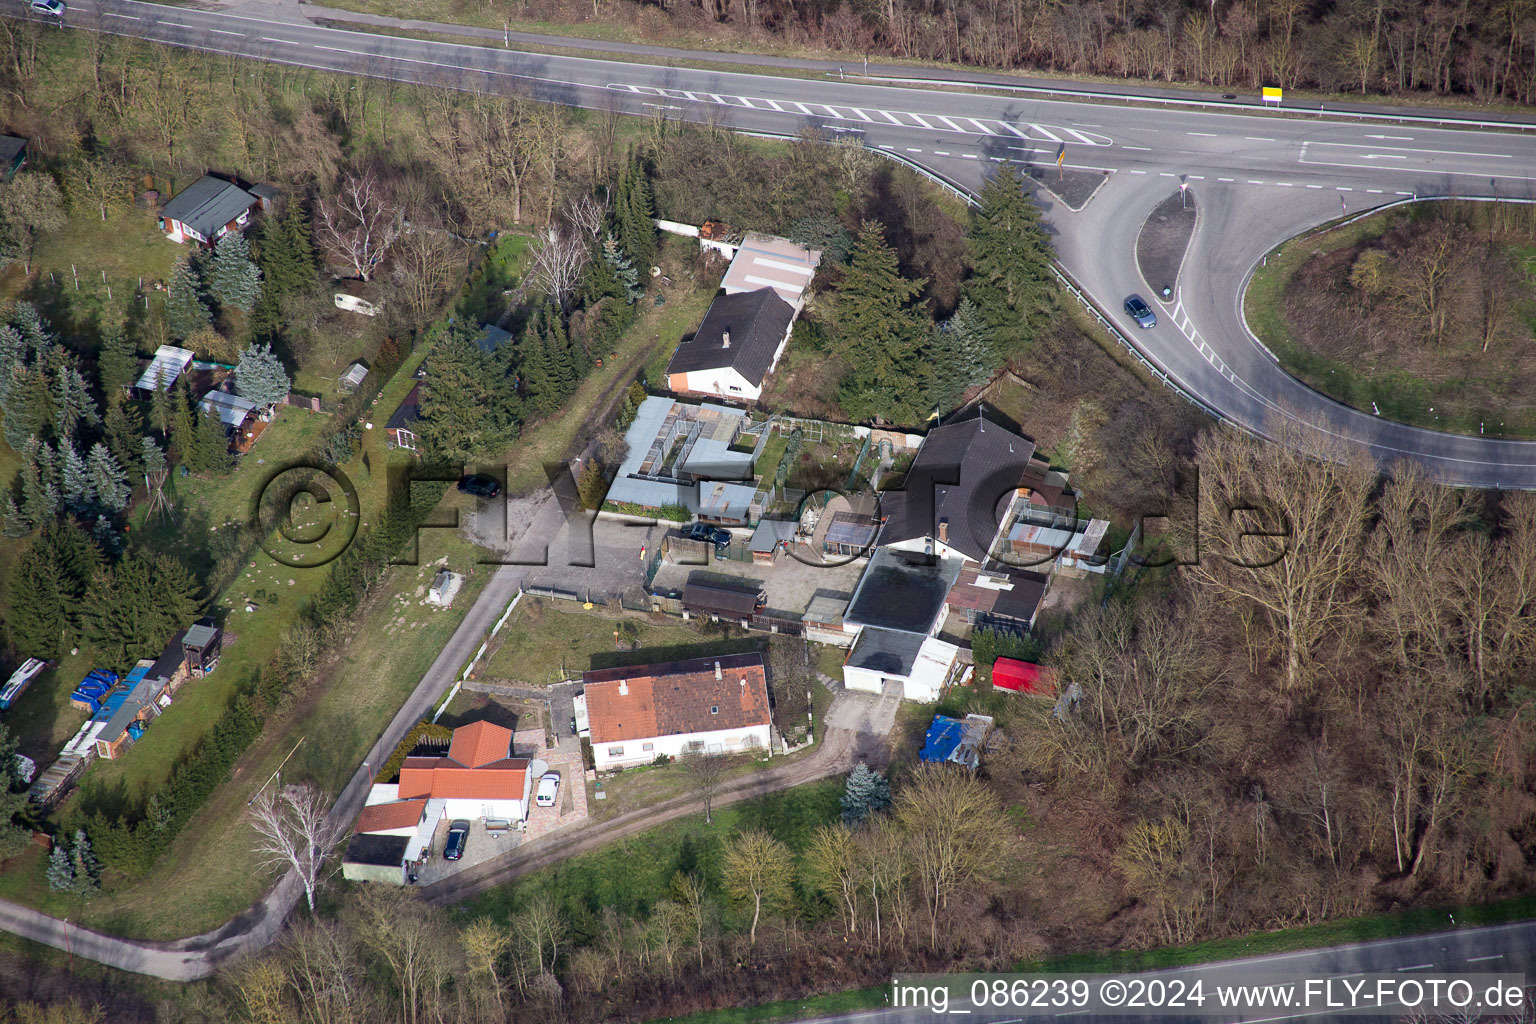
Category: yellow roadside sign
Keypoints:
(1272, 94)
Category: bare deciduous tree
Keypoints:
(955, 832)
(1282, 526)
(833, 862)
(587, 215)
(757, 869)
(358, 224)
(705, 773)
(296, 832)
(558, 263)
(426, 260)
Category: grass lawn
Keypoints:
(127, 246)
(543, 643)
(632, 873)
(646, 346)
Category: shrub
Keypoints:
(389, 771)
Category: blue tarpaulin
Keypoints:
(943, 737)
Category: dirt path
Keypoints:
(838, 753)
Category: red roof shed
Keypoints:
(1020, 677)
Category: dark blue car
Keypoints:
(458, 835)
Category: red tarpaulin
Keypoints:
(1018, 676)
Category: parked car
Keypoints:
(549, 785)
(1142, 313)
(574, 730)
(480, 485)
(714, 534)
(458, 835)
(51, 8)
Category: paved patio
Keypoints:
(789, 582)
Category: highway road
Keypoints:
(1259, 178)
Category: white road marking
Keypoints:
(717, 99)
(863, 115)
(1080, 124)
(1143, 149)
(1415, 150)
(941, 152)
(1197, 177)
(226, 32)
(1415, 967)
(1225, 179)
(173, 24)
(1314, 186)
(775, 105)
(1480, 959)
(947, 121)
(1283, 184)
(129, 17)
(1252, 182)
(1375, 191)
(1203, 135)
(691, 96)
(803, 108)
(1165, 174)
(889, 116)
(911, 150)
(1015, 131)
(1138, 172)
(746, 103)
(1397, 138)
(892, 148)
(919, 119)
(1255, 138)
(833, 112)
(1405, 193)
(1342, 188)
(983, 127)
(968, 156)
(360, 53)
(1043, 131)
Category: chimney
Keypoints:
(743, 682)
(623, 688)
(717, 670)
(725, 338)
(944, 531)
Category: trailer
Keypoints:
(20, 680)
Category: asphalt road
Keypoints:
(1260, 178)
(1502, 950)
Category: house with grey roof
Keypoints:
(736, 346)
(206, 210)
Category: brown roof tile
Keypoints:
(390, 816)
(677, 698)
(480, 743)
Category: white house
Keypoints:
(706, 705)
(479, 777)
(765, 261)
(736, 346)
(920, 665)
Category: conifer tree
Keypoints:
(233, 278)
(1011, 280)
(29, 410)
(960, 355)
(117, 365)
(185, 310)
(109, 483)
(123, 429)
(162, 411)
(61, 870)
(87, 869)
(38, 624)
(34, 329)
(634, 215)
(880, 332)
(866, 792)
(74, 479)
(13, 357)
(260, 377)
(210, 444)
(73, 406)
(132, 610)
(184, 424)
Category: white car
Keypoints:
(52, 8)
(549, 785)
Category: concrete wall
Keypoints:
(512, 810)
(863, 679)
(717, 382)
(730, 741)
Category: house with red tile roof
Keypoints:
(478, 778)
(709, 705)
